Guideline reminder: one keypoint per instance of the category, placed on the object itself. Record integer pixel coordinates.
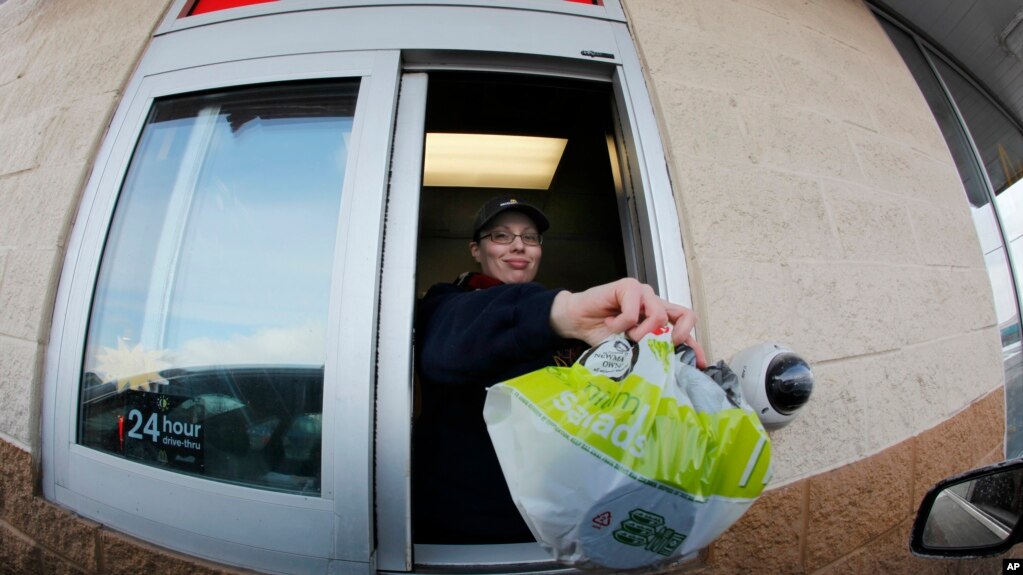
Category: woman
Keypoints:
(492, 326)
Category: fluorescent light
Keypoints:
(491, 161)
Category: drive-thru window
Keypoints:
(230, 372)
(206, 338)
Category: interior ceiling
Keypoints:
(972, 32)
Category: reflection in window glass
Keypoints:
(205, 348)
(1010, 213)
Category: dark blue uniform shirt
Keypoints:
(467, 340)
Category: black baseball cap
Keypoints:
(495, 206)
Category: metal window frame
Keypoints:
(191, 514)
(306, 39)
(649, 202)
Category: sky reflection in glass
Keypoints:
(222, 244)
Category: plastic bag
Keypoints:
(632, 457)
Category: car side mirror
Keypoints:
(974, 514)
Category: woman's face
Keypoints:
(513, 263)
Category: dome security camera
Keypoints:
(775, 382)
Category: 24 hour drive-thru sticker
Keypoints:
(163, 428)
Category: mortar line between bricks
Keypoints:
(101, 560)
(17, 532)
(804, 525)
(37, 544)
(17, 173)
(914, 496)
(866, 545)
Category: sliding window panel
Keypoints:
(198, 356)
(395, 371)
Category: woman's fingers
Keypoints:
(625, 306)
(683, 322)
(654, 315)
(682, 319)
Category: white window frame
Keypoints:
(309, 39)
(198, 516)
(651, 200)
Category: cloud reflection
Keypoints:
(303, 344)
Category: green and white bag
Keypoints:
(630, 458)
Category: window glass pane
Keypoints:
(1004, 294)
(206, 340)
(1010, 210)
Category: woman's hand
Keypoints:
(626, 306)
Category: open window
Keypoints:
(548, 142)
(577, 187)
(595, 191)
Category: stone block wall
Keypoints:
(821, 208)
(857, 518)
(63, 64)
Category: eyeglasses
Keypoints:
(505, 238)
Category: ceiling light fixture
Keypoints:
(491, 161)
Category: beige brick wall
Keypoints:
(792, 128)
(857, 518)
(37, 537)
(821, 208)
(63, 64)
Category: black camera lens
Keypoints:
(789, 383)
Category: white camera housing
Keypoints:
(775, 381)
